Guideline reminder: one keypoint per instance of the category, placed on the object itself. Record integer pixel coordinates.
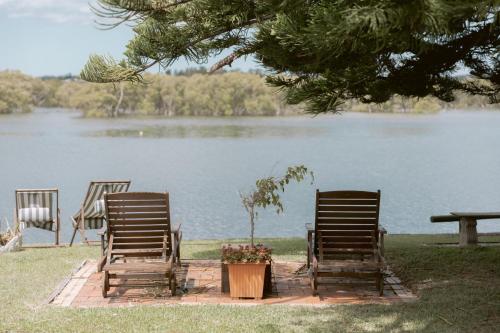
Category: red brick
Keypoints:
(290, 288)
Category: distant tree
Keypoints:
(226, 94)
(47, 93)
(191, 71)
(65, 77)
(93, 100)
(18, 92)
(162, 96)
(426, 105)
(321, 52)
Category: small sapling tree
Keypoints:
(267, 193)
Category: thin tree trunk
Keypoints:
(252, 225)
(403, 104)
(119, 103)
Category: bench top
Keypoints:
(484, 215)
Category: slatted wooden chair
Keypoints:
(38, 208)
(91, 214)
(346, 239)
(141, 251)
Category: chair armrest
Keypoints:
(380, 257)
(177, 235)
(102, 232)
(314, 261)
(176, 228)
(176, 242)
(311, 256)
(381, 246)
(173, 255)
(110, 247)
(174, 252)
(173, 245)
(310, 247)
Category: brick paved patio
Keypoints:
(199, 282)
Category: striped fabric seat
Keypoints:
(99, 207)
(36, 208)
(93, 205)
(35, 214)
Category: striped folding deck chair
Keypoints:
(91, 214)
(38, 208)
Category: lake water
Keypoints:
(424, 165)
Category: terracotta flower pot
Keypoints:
(247, 280)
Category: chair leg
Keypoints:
(314, 286)
(314, 282)
(172, 283)
(103, 246)
(178, 255)
(105, 284)
(380, 284)
(178, 237)
(101, 264)
(73, 237)
(58, 229)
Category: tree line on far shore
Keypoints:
(187, 93)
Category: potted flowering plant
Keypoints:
(247, 264)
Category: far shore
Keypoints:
(133, 115)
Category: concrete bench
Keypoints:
(467, 224)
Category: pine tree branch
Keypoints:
(331, 50)
(125, 11)
(228, 60)
(91, 73)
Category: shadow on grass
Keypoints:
(454, 308)
(368, 318)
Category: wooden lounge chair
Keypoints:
(91, 214)
(141, 250)
(38, 208)
(346, 240)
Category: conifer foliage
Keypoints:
(321, 52)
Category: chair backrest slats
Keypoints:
(139, 221)
(346, 223)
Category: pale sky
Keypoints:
(55, 37)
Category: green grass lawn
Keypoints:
(459, 291)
